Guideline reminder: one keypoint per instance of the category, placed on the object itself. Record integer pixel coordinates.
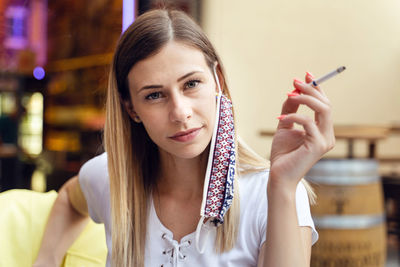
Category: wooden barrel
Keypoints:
(349, 214)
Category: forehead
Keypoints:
(174, 60)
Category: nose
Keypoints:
(180, 109)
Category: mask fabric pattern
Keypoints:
(218, 181)
(221, 165)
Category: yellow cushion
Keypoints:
(23, 217)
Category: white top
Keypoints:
(162, 250)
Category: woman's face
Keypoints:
(173, 93)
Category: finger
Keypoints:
(285, 123)
(322, 111)
(289, 107)
(310, 78)
(312, 135)
(312, 102)
(306, 122)
(309, 90)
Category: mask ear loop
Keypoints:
(200, 225)
(201, 248)
(217, 79)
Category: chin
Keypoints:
(189, 152)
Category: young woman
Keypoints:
(164, 188)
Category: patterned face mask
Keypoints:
(218, 183)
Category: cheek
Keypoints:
(208, 109)
(212, 105)
(154, 131)
(208, 101)
(152, 121)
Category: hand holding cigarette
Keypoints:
(294, 151)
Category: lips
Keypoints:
(185, 136)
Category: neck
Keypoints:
(183, 178)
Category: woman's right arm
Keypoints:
(67, 219)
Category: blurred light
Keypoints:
(31, 126)
(16, 31)
(128, 13)
(37, 28)
(38, 181)
(8, 103)
(39, 73)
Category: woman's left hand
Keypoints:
(295, 151)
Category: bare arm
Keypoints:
(67, 219)
(287, 243)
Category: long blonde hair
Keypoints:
(132, 156)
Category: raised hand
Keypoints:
(295, 151)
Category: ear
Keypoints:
(130, 110)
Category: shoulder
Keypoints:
(94, 170)
(253, 197)
(254, 205)
(95, 164)
(252, 192)
(93, 180)
(253, 185)
(253, 178)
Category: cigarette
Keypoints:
(327, 76)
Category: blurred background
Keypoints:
(54, 62)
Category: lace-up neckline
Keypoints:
(174, 252)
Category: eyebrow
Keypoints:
(155, 86)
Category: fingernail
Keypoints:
(293, 93)
(281, 117)
(309, 74)
(296, 91)
(298, 81)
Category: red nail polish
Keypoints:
(281, 117)
(298, 81)
(293, 94)
(296, 91)
(309, 74)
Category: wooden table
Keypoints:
(372, 134)
(395, 128)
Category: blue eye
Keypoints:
(153, 96)
(192, 83)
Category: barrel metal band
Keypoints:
(348, 221)
(343, 180)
